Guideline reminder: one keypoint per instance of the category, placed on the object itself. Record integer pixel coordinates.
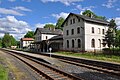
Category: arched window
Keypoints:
(72, 31)
(92, 29)
(79, 43)
(67, 43)
(72, 43)
(93, 43)
(78, 30)
(99, 43)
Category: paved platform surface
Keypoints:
(45, 58)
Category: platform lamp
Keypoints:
(47, 41)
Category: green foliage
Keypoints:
(101, 17)
(110, 37)
(3, 73)
(117, 40)
(49, 26)
(92, 15)
(59, 23)
(18, 44)
(29, 34)
(8, 40)
(89, 13)
(112, 24)
(111, 51)
(0, 42)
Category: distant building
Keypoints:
(42, 36)
(25, 42)
(81, 33)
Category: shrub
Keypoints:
(111, 51)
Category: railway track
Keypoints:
(105, 67)
(46, 70)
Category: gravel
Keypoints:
(85, 73)
(82, 72)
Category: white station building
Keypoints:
(82, 33)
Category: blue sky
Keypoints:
(19, 16)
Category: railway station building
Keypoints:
(82, 33)
(46, 38)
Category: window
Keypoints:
(92, 29)
(26, 42)
(67, 32)
(99, 43)
(103, 42)
(72, 43)
(78, 20)
(98, 30)
(46, 37)
(66, 23)
(93, 43)
(78, 30)
(73, 20)
(67, 43)
(72, 32)
(79, 43)
(103, 31)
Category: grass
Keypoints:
(17, 74)
(3, 73)
(103, 57)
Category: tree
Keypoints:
(101, 17)
(13, 41)
(117, 40)
(92, 15)
(49, 26)
(18, 44)
(59, 23)
(110, 37)
(89, 13)
(0, 42)
(112, 24)
(29, 34)
(8, 40)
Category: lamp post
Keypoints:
(47, 41)
(113, 44)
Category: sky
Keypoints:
(17, 17)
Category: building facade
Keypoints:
(43, 39)
(25, 42)
(81, 33)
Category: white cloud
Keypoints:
(82, 9)
(62, 14)
(118, 9)
(13, 26)
(39, 25)
(10, 11)
(117, 20)
(12, 0)
(109, 3)
(21, 8)
(27, 0)
(66, 2)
